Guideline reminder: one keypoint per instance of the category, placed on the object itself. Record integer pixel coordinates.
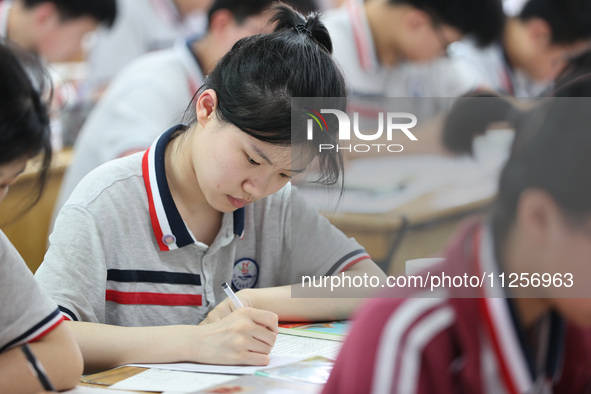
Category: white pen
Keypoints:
(231, 295)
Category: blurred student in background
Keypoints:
(53, 29)
(385, 46)
(502, 339)
(141, 27)
(534, 48)
(27, 314)
(151, 94)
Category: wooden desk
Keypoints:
(110, 377)
(420, 228)
(29, 232)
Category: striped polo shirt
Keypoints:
(121, 254)
(26, 312)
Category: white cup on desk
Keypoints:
(416, 266)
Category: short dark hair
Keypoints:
(570, 20)
(483, 19)
(104, 11)
(550, 151)
(243, 9)
(256, 80)
(24, 123)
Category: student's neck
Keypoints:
(19, 17)
(181, 177)
(517, 257)
(381, 16)
(207, 52)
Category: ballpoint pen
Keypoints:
(231, 295)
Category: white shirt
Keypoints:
(354, 50)
(4, 10)
(148, 96)
(140, 27)
(488, 68)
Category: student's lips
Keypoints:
(237, 202)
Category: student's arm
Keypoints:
(58, 353)
(321, 304)
(243, 337)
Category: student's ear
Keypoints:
(539, 32)
(415, 19)
(538, 216)
(220, 20)
(206, 105)
(45, 15)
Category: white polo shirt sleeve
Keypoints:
(74, 272)
(26, 312)
(314, 245)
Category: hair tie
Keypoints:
(301, 28)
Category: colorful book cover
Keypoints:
(334, 331)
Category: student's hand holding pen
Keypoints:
(243, 337)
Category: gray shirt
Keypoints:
(26, 312)
(121, 254)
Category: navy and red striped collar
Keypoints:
(515, 357)
(169, 228)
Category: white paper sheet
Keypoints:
(167, 380)
(287, 349)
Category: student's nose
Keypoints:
(257, 187)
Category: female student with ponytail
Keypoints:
(528, 333)
(28, 317)
(140, 251)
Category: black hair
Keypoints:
(243, 9)
(483, 19)
(257, 79)
(570, 20)
(24, 122)
(550, 152)
(103, 11)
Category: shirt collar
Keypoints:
(170, 230)
(518, 363)
(368, 57)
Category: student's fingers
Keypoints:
(261, 317)
(252, 358)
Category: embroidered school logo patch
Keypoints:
(168, 239)
(245, 274)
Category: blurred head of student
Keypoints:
(54, 29)
(24, 124)
(541, 219)
(421, 30)
(546, 33)
(230, 20)
(240, 139)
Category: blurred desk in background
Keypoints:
(29, 232)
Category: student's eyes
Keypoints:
(252, 161)
(282, 175)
